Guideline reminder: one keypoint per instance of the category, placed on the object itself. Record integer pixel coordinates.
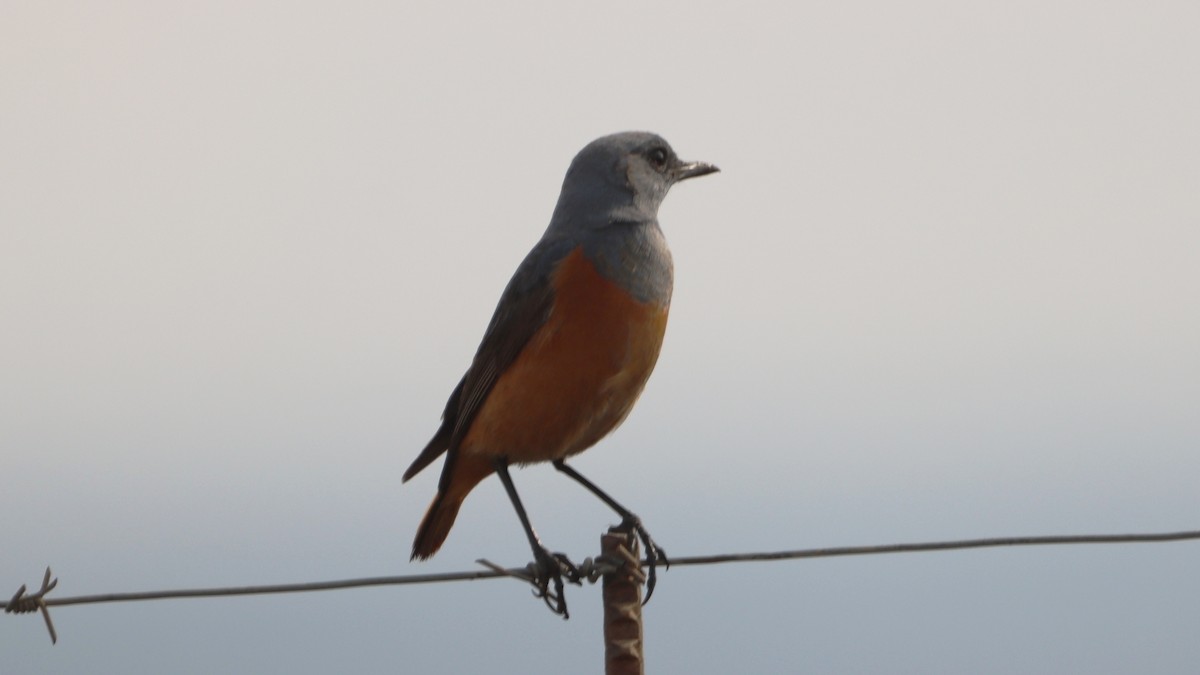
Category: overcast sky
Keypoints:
(945, 286)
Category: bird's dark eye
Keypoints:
(658, 157)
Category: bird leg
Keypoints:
(629, 521)
(547, 567)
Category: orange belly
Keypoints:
(577, 378)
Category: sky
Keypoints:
(944, 287)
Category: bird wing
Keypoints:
(523, 309)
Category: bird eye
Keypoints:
(658, 157)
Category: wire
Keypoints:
(22, 603)
(941, 546)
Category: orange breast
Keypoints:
(578, 377)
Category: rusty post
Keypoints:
(622, 590)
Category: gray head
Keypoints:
(621, 178)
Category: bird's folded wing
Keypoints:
(522, 310)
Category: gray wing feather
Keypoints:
(523, 309)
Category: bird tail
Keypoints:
(439, 518)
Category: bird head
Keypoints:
(621, 178)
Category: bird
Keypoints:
(570, 346)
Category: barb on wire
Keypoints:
(23, 604)
(590, 569)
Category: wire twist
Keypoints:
(591, 569)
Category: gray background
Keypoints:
(944, 287)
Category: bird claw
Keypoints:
(551, 568)
(654, 553)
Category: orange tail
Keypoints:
(438, 520)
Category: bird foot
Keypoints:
(551, 569)
(654, 552)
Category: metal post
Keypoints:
(622, 590)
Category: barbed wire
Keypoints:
(22, 602)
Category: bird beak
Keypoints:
(686, 170)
